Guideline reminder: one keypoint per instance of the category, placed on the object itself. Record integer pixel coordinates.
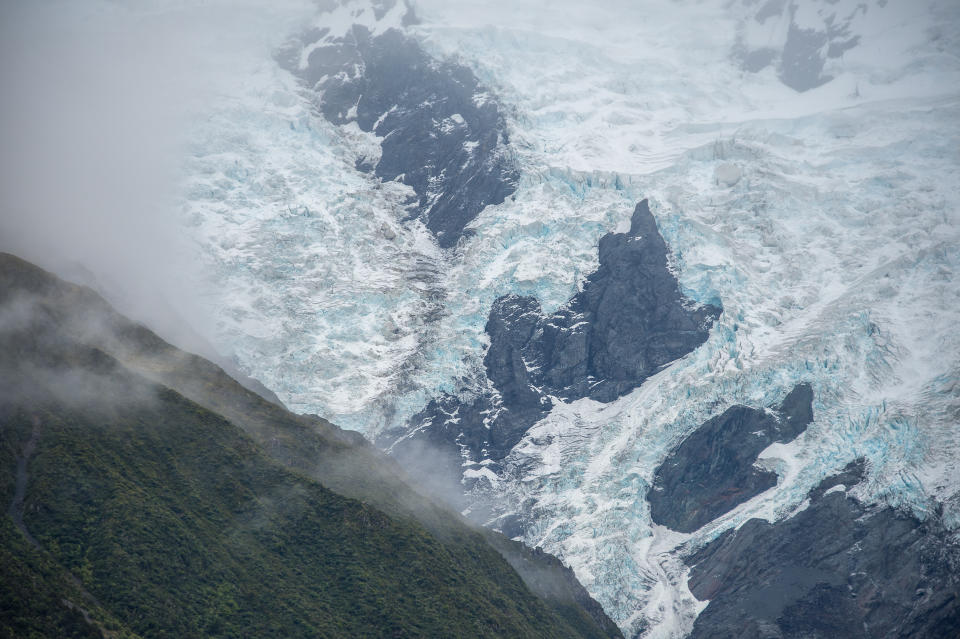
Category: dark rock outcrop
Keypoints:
(443, 135)
(836, 569)
(711, 472)
(629, 320)
(807, 49)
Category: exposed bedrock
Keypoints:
(628, 321)
(836, 569)
(712, 471)
(808, 47)
(441, 133)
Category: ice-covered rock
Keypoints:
(712, 471)
(838, 568)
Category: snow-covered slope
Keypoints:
(826, 222)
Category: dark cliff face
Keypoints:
(442, 134)
(836, 569)
(711, 472)
(800, 63)
(629, 320)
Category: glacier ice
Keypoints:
(834, 255)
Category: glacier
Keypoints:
(824, 221)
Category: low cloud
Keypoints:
(48, 359)
(94, 107)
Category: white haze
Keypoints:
(94, 103)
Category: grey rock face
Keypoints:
(442, 133)
(629, 320)
(806, 50)
(482, 428)
(801, 63)
(711, 472)
(836, 569)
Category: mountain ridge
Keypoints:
(184, 523)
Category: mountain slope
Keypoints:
(180, 524)
(38, 597)
(801, 163)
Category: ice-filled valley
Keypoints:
(826, 222)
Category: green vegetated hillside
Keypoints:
(148, 494)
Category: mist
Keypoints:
(94, 113)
